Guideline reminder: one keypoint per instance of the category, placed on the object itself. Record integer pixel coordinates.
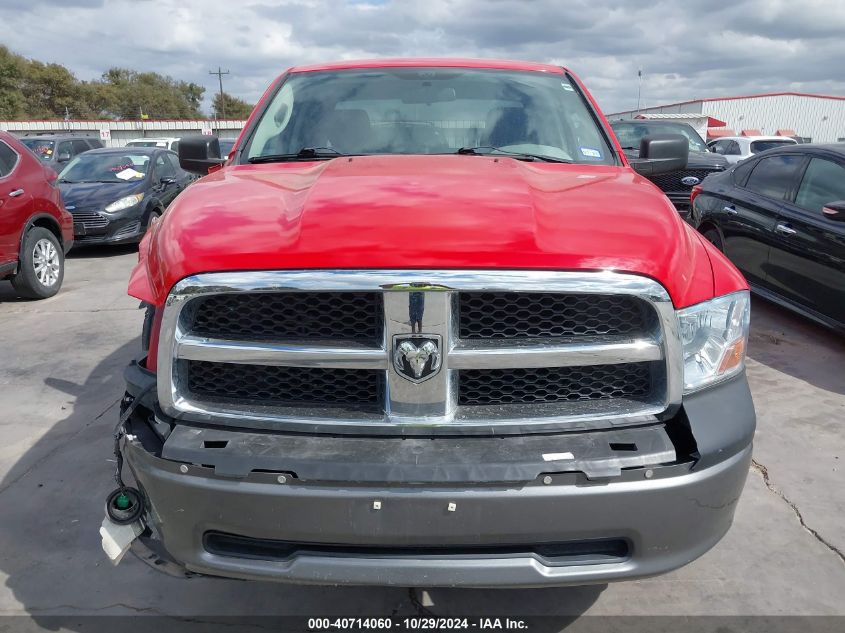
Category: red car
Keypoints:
(428, 325)
(35, 229)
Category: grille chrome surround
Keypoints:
(431, 406)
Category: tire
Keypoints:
(154, 215)
(42, 265)
(713, 236)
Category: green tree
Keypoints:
(129, 94)
(30, 89)
(12, 102)
(226, 106)
(51, 92)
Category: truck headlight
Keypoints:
(124, 203)
(714, 336)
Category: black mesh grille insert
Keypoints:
(554, 384)
(672, 180)
(350, 316)
(505, 315)
(283, 386)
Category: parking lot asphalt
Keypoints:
(61, 362)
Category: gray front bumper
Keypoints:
(667, 521)
(371, 515)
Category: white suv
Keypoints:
(170, 142)
(737, 148)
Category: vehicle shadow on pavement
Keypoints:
(794, 345)
(52, 500)
(96, 252)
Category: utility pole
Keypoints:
(220, 72)
(639, 86)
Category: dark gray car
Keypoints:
(56, 150)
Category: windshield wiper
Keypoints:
(70, 182)
(306, 153)
(527, 156)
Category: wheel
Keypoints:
(42, 265)
(155, 214)
(713, 236)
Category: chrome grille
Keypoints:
(508, 349)
(501, 315)
(90, 219)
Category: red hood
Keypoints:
(424, 212)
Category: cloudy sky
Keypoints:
(687, 49)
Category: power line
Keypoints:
(220, 72)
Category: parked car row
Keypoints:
(101, 196)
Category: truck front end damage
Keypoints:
(436, 427)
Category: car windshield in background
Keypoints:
(428, 111)
(106, 168)
(146, 144)
(762, 146)
(43, 149)
(226, 145)
(631, 133)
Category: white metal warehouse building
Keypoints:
(117, 133)
(816, 118)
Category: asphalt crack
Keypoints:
(59, 447)
(764, 473)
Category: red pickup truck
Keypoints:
(425, 326)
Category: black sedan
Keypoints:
(114, 194)
(780, 217)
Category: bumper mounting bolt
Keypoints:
(183, 469)
(282, 479)
(452, 506)
(547, 480)
(649, 473)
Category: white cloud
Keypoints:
(686, 49)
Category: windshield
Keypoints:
(762, 146)
(631, 133)
(226, 145)
(429, 111)
(43, 149)
(146, 144)
(124, 167)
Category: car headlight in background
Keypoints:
(714, 336)
(124, 203)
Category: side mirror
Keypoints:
(834, 210)
(198, 153)
(661, 154)
(63, 157)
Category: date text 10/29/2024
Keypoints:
(417, 624)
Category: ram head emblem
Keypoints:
(416, 358)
